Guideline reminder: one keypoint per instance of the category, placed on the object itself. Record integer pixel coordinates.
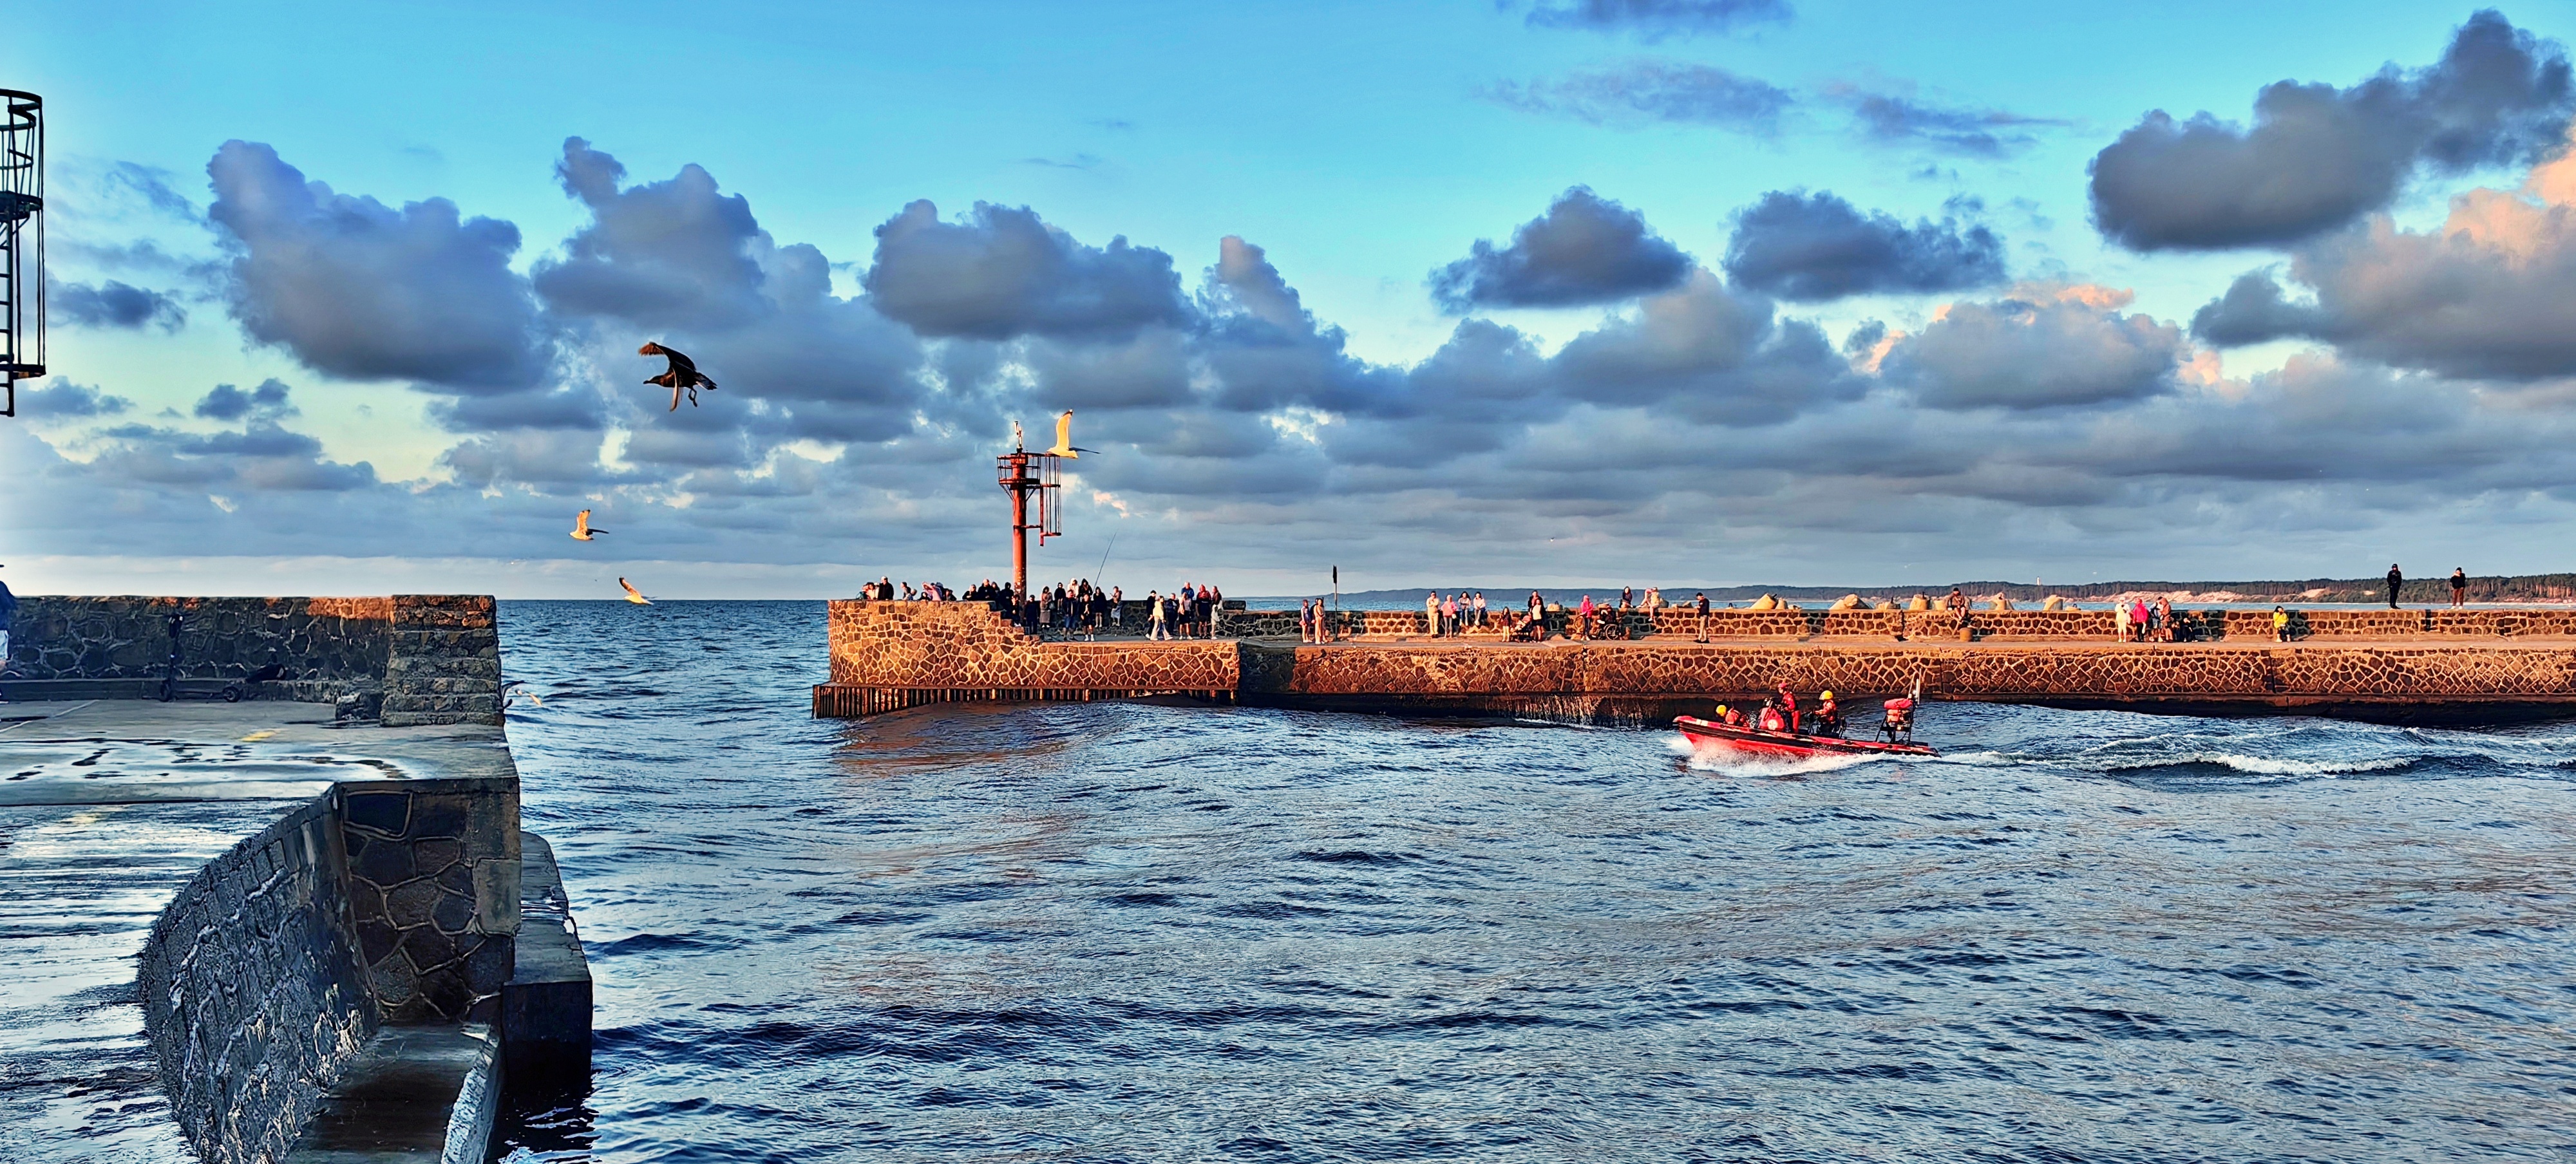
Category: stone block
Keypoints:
(410, 904)
(382, 813)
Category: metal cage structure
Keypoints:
(22, 238)
(1050, 473)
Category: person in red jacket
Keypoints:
(1789, 706)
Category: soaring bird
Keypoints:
(1064, 438)
(581, 531)
(634, 595)
(682, 376)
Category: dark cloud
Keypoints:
(545, 408)
(2319, 157)
(114, 304)
(138, 255)
(153, 186)
(2037, 352)
(693, 265)
(2491, 293)
(260, 456)
(355, 289)
(1713, 355)
(2252, 311)
(1978, 133)
(1817, 247)
(1652, 20)
(1655, 91)
(227, 403)
(64, 400)
(1586, 249)
(1001, 273)
(662, 254)
(1263, 350)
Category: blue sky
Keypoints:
(1359, 148)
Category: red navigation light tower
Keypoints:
(1030, 475)
(22, 243)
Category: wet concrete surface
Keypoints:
(107, 809)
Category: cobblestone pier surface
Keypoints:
(222, 921)
(2402, 666)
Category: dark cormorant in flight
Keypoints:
(682, 376)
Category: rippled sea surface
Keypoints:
(1122, 932)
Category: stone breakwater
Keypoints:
(2399, 665)
(413, 658)
(254, 932)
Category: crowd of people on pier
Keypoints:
(1076, 608)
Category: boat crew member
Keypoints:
(1771, 720)
(1829, 716)
(1789, 706)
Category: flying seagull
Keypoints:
(634, 595)
(581, 531)
(682, 376)
(1064, 438)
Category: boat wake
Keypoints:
(1719, 758)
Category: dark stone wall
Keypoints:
(436, 658)
(434, 890)
(331, 639)
(443, 660)
(252, 995)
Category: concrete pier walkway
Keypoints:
(208, 911)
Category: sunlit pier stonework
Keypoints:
(2481, 665)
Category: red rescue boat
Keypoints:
(1750, 740)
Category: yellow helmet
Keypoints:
(1829, 695)
(1721, 709)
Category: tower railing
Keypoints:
(22, 243)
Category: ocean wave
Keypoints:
(2269, 765)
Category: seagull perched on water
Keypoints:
(581, 531)
(1064, 438)
(634, 595)
(682, 376)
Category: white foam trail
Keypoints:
(1718, 758)
(2267, 766)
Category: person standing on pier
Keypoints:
(2459, 587)
(1702, 606)
(8, 608)
(2395, 580)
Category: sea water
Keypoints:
(1125, 932)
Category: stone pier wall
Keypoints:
(252, 993)
(433, 658)
(2038, 625)
(433, 881)
(965, 646)
(343, 639)
(2365, 663)
(1641, 681)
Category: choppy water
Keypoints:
(1118, 932)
